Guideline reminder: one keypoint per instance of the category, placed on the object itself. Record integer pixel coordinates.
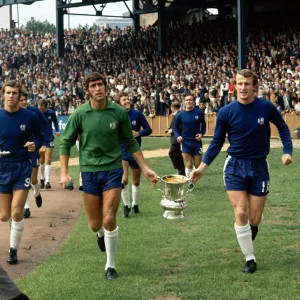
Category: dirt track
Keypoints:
(45, 230)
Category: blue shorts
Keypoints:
(251, 175)
(191, 147)
(15, 176)
(132, 162)
(35, 159)
(126, 155)
(50, 142)
(95, 183)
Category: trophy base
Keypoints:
(173, 215)
(173, 209)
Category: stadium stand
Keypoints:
(201, 60)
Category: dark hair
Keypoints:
(176, 104)
(43, 103)
(24, 93)
(123, 94)
(248, 74)
(93, 77)
(12, 84)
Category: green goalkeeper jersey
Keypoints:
(100, 134)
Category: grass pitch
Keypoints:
(149, 143)
(197, 257)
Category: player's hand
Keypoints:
(64, 178)
(135, 134)
(43, 149)
(58, 134)
(198, 137)
(151, 176)
(30, 146)
(179, 139)
(287, 159)
(196, 175)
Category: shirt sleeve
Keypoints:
(217, 142)
(145, 125)
(54, 119)
(47, 130)
(38, 135)
(125, 133)
(203, 124)
(177, 123)
(69, 137)
(283, 130)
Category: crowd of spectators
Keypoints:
(201, 60)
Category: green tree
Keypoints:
(38, 26)
(86, 27)
(95, 27)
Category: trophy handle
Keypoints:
(159, 181)
(189, 190)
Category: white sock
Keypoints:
(42, 172)
(80, 179)
(47, 173)
(126, 196)
(77, 145)
(188, 172)
(100, 232)
(16, 232)
(27, 205)
(244, 237)
(135, 194)
(111, 242)
(36, 189)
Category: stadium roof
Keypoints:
(76, 3)
(191, 3)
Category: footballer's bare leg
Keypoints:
(111, 199)
(136, 181)
(125, 194)
(256, 205)
(17, 223)
(48, 157)
(239, 202)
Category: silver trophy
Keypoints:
(4, 153)
(174, 196)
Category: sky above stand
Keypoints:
(46, 10)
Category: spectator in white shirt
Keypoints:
(224, 92)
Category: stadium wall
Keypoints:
(160, 123)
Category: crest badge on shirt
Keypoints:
(261, 121)
(113, 125)
(23, 127)
(196, 117)
(133, 122)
